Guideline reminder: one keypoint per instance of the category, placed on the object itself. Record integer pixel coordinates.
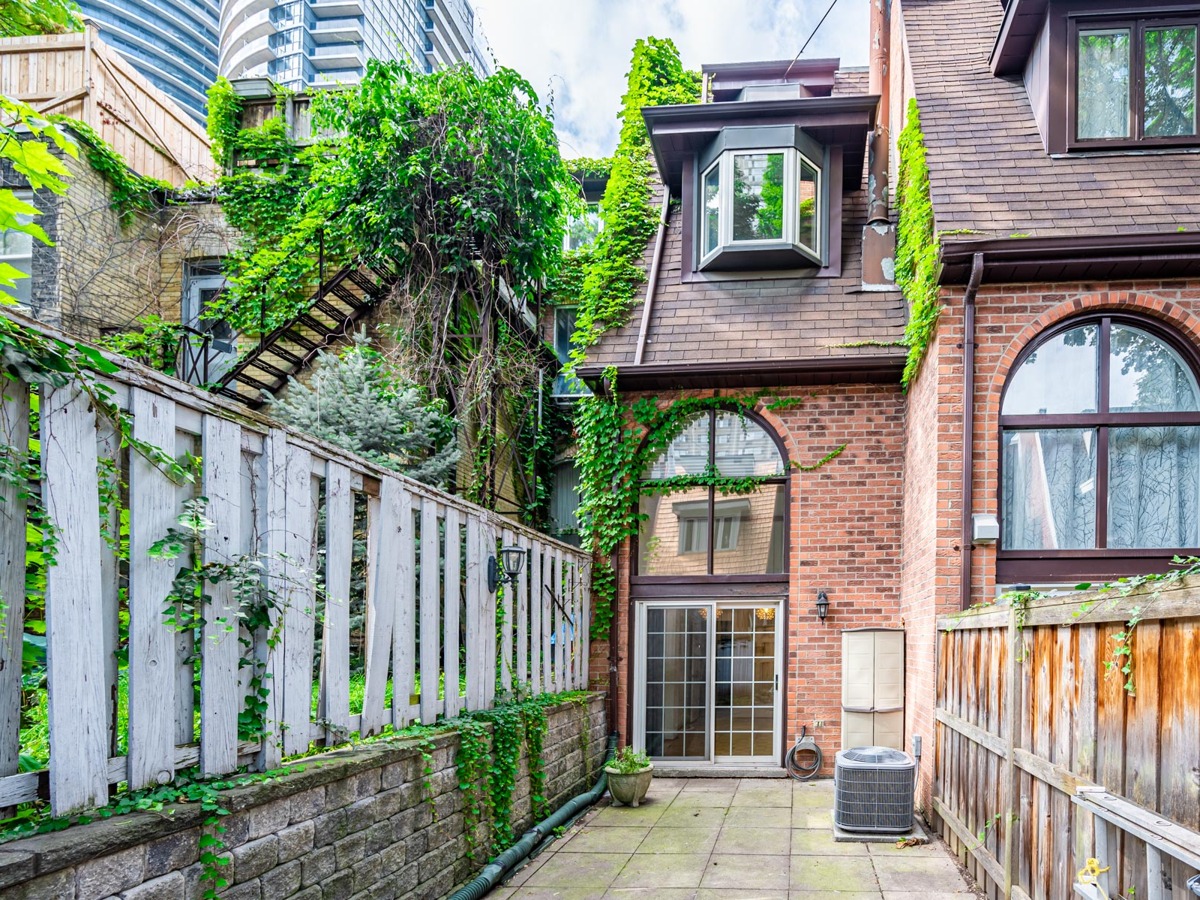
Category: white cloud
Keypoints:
(577, 51)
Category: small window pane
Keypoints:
(687, 454)
(1147, 375)
(1049, 491)
(807, 235)
(1059, 377)
(583, 230)
(712, 209)
(1102, 88)
(673, 535)
(1170, 61)
(16, 249)
(1153, 486)
(744, 448)
(758, 197)
(749, 532)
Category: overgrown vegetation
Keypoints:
(25, 17)
(356, 401)
(155, 343)
(916, 243)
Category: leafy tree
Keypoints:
(22, 17)
(22, 134)
(357, 401)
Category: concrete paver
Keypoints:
(731, 839)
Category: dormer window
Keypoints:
(761, 208)
(1134, 81)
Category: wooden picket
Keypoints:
(265, 491)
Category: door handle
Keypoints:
(776, 681)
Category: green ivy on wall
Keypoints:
(916, 243)
(131, 193)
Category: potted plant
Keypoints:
(629, 776)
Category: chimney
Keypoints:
(879, 234)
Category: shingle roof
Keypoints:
(989, 169)
(767, 320)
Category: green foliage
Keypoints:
(27, 17)
(131, 192)
(224, 121)
(445, 173)
(586, 167)
(629, 761)
(25, 140)
(614, 270)
(155, 343)
(357, 401)
(916, 243)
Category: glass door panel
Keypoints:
(744, 704)
(676, 684)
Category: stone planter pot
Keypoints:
(629, 790)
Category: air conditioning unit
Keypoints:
(873, 790)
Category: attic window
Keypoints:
(761, 209)
(1135, 81)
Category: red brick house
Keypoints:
(1060, 138)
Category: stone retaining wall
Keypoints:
(356, 824)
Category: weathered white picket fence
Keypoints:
(426, 562)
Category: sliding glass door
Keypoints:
(707, 682)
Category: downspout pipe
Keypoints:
(968, 428)
(518, 852)
(652, 285)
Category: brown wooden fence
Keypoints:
(1043, 759)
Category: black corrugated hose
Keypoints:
(795, 766)
(510, 858)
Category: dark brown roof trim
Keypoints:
(1022, 22)
(771, 68)
(874, 368)
(722, 114)
(1091, 257)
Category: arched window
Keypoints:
(699, 531)
(1101, 444)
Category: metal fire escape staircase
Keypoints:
(339, 303)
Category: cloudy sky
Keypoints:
(578, 50)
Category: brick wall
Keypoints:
(351, 825)
(1008, 318)
(845, 525)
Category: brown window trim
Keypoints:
(727, 578)
(1042, 565)
(1065, 22)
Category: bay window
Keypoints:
(761, 208)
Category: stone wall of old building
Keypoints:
(367, 823)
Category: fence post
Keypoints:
(74, 607)
(1013, 688)
(14, 430)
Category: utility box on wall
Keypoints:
(873, 688)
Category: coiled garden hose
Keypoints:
(798, 767)
(514, 855)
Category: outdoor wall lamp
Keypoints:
(513, 560)
(822, 604)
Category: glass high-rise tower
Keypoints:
(298, 43)
(171, 42)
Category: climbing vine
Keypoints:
(916, 243)
(618, 442)
(131, 193)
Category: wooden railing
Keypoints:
(1044, 759)
(317, 523)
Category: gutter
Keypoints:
(881, 367)
(968, 429)
(652, 285)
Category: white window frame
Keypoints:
(591, 205)
(791, 211)
(21, 261)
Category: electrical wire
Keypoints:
(810, 37)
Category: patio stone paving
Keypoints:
(730, 839)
